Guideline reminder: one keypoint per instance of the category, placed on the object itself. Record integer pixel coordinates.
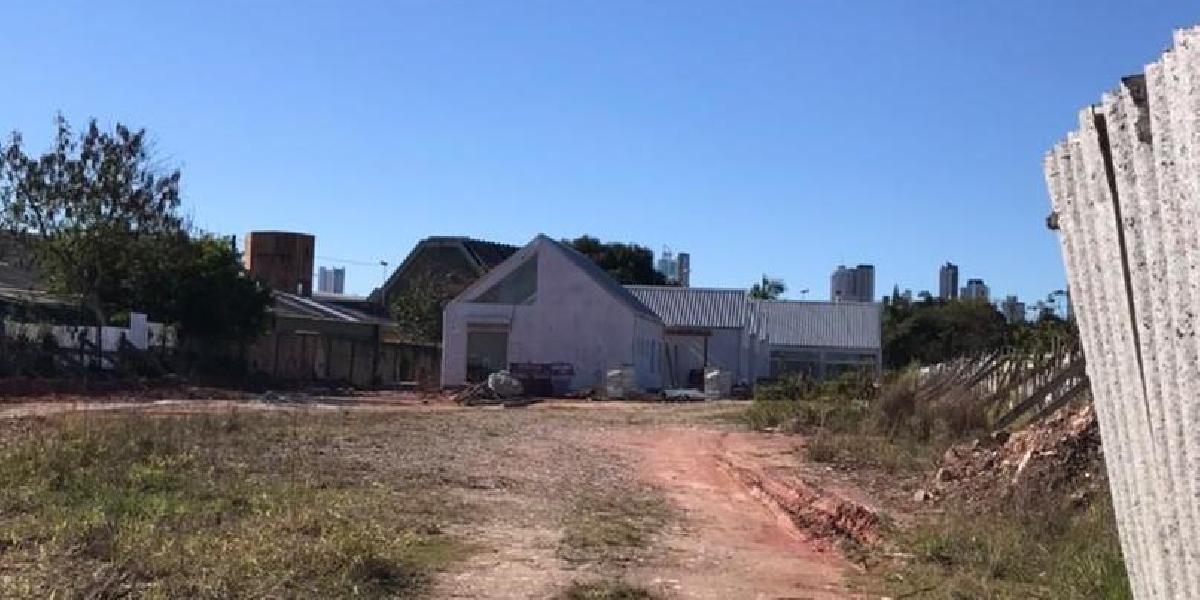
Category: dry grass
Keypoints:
(1042, 552)
(612, 526)
(232, 505)
(609, 589)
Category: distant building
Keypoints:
(852, 285)
(975, 289)
(684, 263)
(675, 268)
(948, 281)
(1013, 309)
(331, 280)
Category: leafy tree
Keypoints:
(935, 331)
(768, 289)
(629, 264)
(418, 307)
(1045, 334)
(101, 224)
(211, 296)
(92, 211)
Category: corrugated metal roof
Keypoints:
(697, 307)
(291, 305)
(828, 324)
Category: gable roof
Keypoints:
(824, 324)
(481, 254)
(585, 264)
(697, 307)
(601, 277)
(488, 254)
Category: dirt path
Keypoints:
(530, 477)
(732, 544)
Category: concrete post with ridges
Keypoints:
(1102, 265)
(1129, 135)
(1184, 102)
(1060, 178)
(1133, 264)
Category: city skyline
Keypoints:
(478, 121)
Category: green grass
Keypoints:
(892, 456)
(1010, 554)
(206, 506)
(606, 590)
(612, 526)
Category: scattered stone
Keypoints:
(504, 385)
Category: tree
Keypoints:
(629, 264)
(935, 331)
(214, 298)
(92, 211)
(418, 306)
(768, 289)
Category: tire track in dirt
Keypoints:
(732, 544)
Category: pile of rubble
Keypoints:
(500, 388)
(1059, 455)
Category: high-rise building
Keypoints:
(852, 285)
(841, 284)
(976, 289)
(948, 281)
(864, 282)
(331, 280)
(675, 268)
(1013, 309)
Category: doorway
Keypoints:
(487, 352)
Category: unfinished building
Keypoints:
(550, 304)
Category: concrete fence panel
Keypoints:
(1125, 191)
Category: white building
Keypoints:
(675, 268)
(976, 289)
(823, 339)
(707, 327)
(550, 304)
(852, 285)
(948, 281)
(1014, 310)
(331, 280)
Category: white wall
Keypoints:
(572, 319)
(727, 350)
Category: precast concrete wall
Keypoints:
(1125, 190)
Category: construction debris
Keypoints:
(504, 385)
(1058, 454)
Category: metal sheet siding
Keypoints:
(823, 324)
(697, 307)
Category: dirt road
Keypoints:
(561, 493)
(733, 545)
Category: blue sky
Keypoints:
(776, 137)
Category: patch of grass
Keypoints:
(205, 506)
(606, 590)
(613, 525)
(1047, 553)
(873, 451)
